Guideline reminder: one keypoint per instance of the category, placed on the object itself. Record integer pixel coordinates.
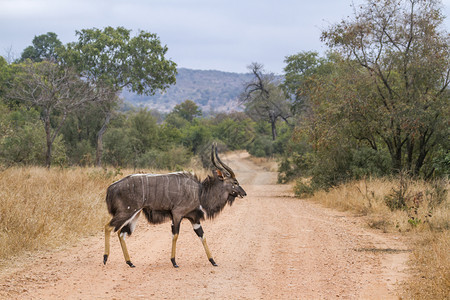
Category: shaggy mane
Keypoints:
(212, 202)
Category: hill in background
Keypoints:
(213, 91)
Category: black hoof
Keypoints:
(174, 263)
(130, 264)
(105, 258)
(213, 262)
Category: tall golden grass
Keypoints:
(42, 208)
(425, 222)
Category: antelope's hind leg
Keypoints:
(125, 229)
(175, 231)
(108, 230)
(122, 236)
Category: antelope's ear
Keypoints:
(218, 174)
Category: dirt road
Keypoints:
(268, 245)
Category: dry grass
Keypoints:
(42, 209)
(424, 221)
(430, 263)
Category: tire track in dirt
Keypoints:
(268, 245)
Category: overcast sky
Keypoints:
(224, 35)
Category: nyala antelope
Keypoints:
(170, 196)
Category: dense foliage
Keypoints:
(378, 103)
(60, 106)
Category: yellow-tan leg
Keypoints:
(199, 231)
(208, 253)
(108, 230)
(124, 249)
(174, 246)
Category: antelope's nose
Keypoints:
(242, 193)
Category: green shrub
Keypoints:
(117, 147)
(302, 189)
(173, 159)
(369, 162)
(262, 146)
(23, 139)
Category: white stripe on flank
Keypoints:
(204, 211)
(153, 175)
(143, 190)
(129, 220)
(156, 175)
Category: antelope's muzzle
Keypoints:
(241, 192)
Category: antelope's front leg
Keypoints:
(199, 231)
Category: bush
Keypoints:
(23, 140)
(173, 159)
(24, 146)
(397, 198)
(83, 153)
(302, 189)
(262, 146)
(295, 162)
(328, 169)
(235, 133)
(195, 136)
(369, 162)
(441, 163)
(117, 149)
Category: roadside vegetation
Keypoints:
(363, 128)
(419, 210)
(47, 208)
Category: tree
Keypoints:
(82, 128)
(143, 131)
(112, 57)
(299, 68)
(236, 130)
(404, 52)
(187, 110)
(5, 76)
(264, 99)
(107, 109)
(54, 91)
(44, 47)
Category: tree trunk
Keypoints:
(273, 121)
(410, 153)
(274, 131)
(397, 163)
(48, 153)
(423, 149)
(99, 153)
(395, 150)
